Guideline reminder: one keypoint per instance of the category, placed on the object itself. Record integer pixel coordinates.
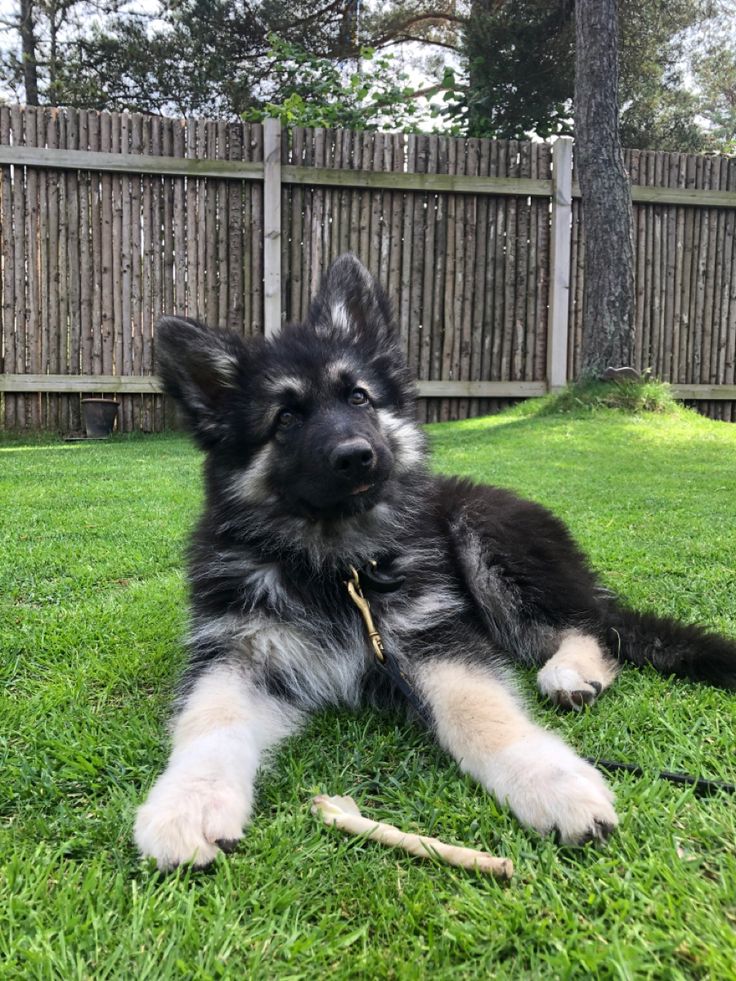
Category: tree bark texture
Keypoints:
(28, 48)
(608, 295)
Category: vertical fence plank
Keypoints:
(727, 313)
(20, 195)
(559, 257)
(107, 258)
(499, 270)
(296, 226)
(318, 203)
(404, 296)
(33, 271)
(414, 334)
(116, 249)
(155, 402)
(481, 294)
(374, 254)
(210, 233)
(86, 280)
(71, 270)
(674, 270)
(490, 323)
(272, 225)
(257, 241)
(138, 231)
(234, 222)
(49, 263)
(470, 166)
(57, 318)
(8, 177)
(437, 322)
(426, 336)
(541, 270)
(386, 202)
(522, 226)
(657, 246)
(192, 191)
(397, 208)
(125, 347)
(222, 232)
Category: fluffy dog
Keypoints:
(315, 468)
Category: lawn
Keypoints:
(92, 607)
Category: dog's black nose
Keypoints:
(354, 459)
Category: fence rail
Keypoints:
(109, 220)
(130, 163)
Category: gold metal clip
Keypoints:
(356, 595)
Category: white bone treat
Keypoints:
(344, 813)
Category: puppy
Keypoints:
(316, 476)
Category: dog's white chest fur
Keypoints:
(306, 660)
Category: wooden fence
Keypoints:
(109, 220)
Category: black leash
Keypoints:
(703, 787)
(382, 582)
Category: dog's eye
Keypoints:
(358, 396)
(286, 418)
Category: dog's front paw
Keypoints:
(551, 789)
(190, 819)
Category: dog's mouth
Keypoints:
(352, 502)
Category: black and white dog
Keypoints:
(314, 468)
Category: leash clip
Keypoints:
(387, 663)
(355, 593)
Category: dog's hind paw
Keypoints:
(577, 673)
(566, 688)
(189, 820)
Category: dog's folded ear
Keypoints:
(349, 300)
(201, 368)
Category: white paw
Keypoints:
(189, 819)
(566, 687)
(549, 789)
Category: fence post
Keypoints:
(559, 278)
(272, 225)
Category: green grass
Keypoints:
(92, 608)
(630, 396)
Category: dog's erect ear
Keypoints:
(349, 300)
(200, 368)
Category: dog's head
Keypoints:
(317, 421)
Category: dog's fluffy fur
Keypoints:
(314, 464)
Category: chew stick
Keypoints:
(344, 813)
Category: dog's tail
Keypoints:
(671, 647)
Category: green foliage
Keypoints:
(714, 69)
(521, 79)
(664, 118)
(369, 92)
(92, 608)
(324, 64)
(207, 57)
(520, 61)
(658, 109)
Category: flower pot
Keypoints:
(99, 417)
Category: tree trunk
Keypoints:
(608, 296)
(28, 47)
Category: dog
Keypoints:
(316, 477)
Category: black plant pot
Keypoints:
(99, 417)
